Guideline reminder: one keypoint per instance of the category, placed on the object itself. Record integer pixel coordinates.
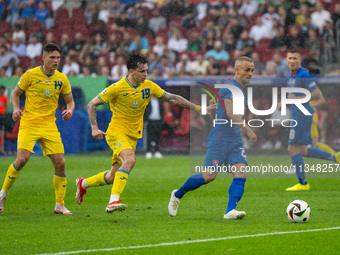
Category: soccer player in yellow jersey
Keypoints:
(42, 86)
(128, 99)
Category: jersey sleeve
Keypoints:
(309, 82)
(66, 88)
(25, 81)
(108, 93)
(157, 91)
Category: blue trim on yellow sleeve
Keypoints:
(60, 175)
(16, 168)
(162, 95)
(101, 99)
(20, 88)
(123, 171)
(105, 178)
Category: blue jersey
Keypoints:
(301, 79)
(226, 132)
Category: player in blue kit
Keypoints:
(300, 135)
(225, 146)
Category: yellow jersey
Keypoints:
(42, 93)
(128, 104)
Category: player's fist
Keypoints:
(16, 115)
(67, 114)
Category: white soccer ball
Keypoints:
(298, 211)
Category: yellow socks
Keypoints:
(59, 184)
(96, 180)
(11, 176)
(325, 147)
(119, 182)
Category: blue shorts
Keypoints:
(300, 134)
(225, 152)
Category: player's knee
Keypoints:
(21, 162)
(130, 162)
(209, 178)
(59, 164)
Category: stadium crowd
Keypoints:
(181, 38)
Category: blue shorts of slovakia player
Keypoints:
(300, 134)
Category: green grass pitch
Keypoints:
(28, 225)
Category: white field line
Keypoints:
(192, 241)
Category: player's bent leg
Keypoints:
(115, 206)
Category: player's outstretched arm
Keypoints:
(92, 112)
(182, 102)
(70, 105)
(17, 113)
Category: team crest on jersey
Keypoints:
(47, 92)
(292, 82)
(134, 104)
(120, 144)
(104, 91)
(215, 162)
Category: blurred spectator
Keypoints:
(269, 16)
(142, 23)
(11, 65)
(329, 45)
(295, 38)
(104, 71)
(178, 43)
(91, 14)
(99, 45)
(320, 16)
(279, 41)
(303, 16)
(33, 63)
(78, 44)
(202, 9)
(104, 12)
(213, 67)
(119, 70)
(194, 42)
(19, 32)
(18, 72)
(3, 110)
(18, 47)
(14, 10)
(152, 57)
(126, 42)
(139, 43)
(28, 10)
(184, 61)
(88, 66)
(223, 18)
(210, 26)
(258, 65)
(336, 15)
(286, 17)
(228, 42)
(189, 20)
(70, 65)
(153, 116)
(218, 53)
(270, 69)
(49, 37)
(313, 42)
(65, 44)
(115, 9)
(248, 8)
(245, 44)
(169, 8)
(216, 6)
(208, 43)
(100, 63)
(42, 13)
(2, 9)
(171, 56)
(34, 48)
(165, 67)
(182, 72)
(159, 46)
(231, 67)
(113, 43)
(123, 22)
(282, 69)
(3, 72)
(200, 65)
(259, 30)
(157, 21)
(235, 28)
(131, 13)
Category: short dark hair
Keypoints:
(294, 50)
(50, 47)
(135, 59)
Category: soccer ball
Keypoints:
(298, 211)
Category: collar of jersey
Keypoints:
(48, 75)
(128, 82)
